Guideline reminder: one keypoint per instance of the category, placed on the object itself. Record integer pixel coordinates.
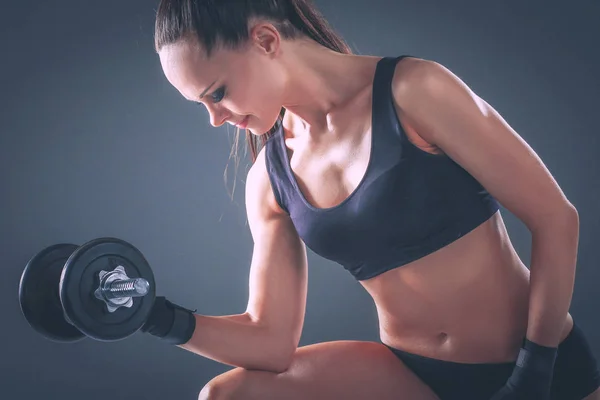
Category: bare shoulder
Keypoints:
(419, 82)
(260, 200)
(413, 73)
(409, 75)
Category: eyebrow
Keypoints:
(206, 90)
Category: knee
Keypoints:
(215, 389)
(222, 387)
(206, 393)
(210, 391)
(238, 383)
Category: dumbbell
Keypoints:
(103, 289)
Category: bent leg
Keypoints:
(332, 370)
(594, 396)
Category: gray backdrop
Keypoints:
(95, 142)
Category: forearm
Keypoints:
(553, 262)
(238, 341)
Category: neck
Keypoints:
(320, 80)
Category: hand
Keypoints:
(532, 376)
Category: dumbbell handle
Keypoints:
(119, 289)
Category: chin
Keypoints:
(261, 126)
(256, 132)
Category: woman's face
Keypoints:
(243, 87)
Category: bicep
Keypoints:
(278, 271)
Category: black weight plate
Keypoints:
(80, 278)
(38, 294)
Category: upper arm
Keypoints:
(278, 271)
(449, 115)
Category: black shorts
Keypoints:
(576, 373)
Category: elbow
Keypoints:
(570, 211)
(281, 358)
(569, 218)
(276, 366)
(286, 359)
(575, 214)
(275, 352)
(564, 219)
(275, 361)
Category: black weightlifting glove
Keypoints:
(532, 376)
(170, 322)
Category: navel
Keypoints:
(442, 337)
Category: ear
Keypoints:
(265, 38)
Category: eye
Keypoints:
(218, 95)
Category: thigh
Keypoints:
(576, 372)
(332, 370)
(594, 396)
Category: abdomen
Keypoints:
(467, 302)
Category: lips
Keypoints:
(244, 123)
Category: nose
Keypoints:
(218, 116)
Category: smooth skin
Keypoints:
(472, 301)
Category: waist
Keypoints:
(478, 344)
(467, 302)
(483, 320)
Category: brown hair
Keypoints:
(224, 23)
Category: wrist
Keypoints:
(170, 322)
(536, 358)
(183, 327)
